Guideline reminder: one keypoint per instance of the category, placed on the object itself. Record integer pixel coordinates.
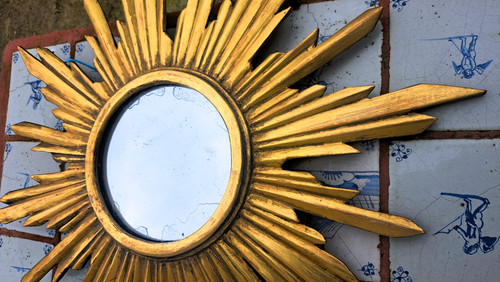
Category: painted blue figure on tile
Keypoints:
(15, 57)
(399, 151)
(21, 269)
(372, 3)
(36, 95)
(368, 145)
(466, 45)
(368, 269)
(51, 232)
(27, 181)
(399, 4)
(47, 248)
(8, 149)
(80, 47)
(1, 242)
(59, 125)
(328, 228)
(470, 224)
(401, 275)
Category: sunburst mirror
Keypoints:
(252, 120)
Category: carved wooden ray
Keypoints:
(264, 239)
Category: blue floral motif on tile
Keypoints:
(1, 242)
(466, 45)
(8, 149)
(36, 95)
(368, 145)
(399, 4)
(401, 275)
(368, 269)
(399, 151)
(51, 232)
(372, 3)
(59, 125)
(47, 249)
(65, 49)
(470, 224)
(80, 47)
(8, 130)
(15, 58)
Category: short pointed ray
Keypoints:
(45, 215)
(395, 103)
(309, 250)
(59, 176)
(61, 250)
(164, 40)
(267, 265)
(78, 115)
(131, 31)
(275, 207)
(302, 266)
(332, 101)
(208, 267)
(220, 267)
(202, 47)
(237, 261)
(126, 42)
(200, 21)
(228, 261)
(142, 33)
(278, 157)
(68, 117)
(74, 129)
(151, 13)
(60, 158)
(49, 148)
(185, 31)
(66, 228)
(48, 135)
(111, 273)
(98, 256)
(65, 216)
(103, 267)
(222, 16)
(300, 230)
(312, 59)
(380, 223)
(177, 39)
(84, 256)
(410, 124)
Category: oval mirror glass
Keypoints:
(166, 163)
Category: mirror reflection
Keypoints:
(166, 164)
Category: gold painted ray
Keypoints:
(207, 34)
(49, 148)
(151, 14)
(68, 117)
(296, 261)
(196, 34)
(219, 265)
(49, 135)
(45, 215)
(222, 16)
(128, 48)
(66, 215)
(380, 223)
(98, 256)
(75, 114)
(165, 42)
(300, 230)
(21, 194)
(102, 269)
(66, 228)
(61, 250)
(278, 157)
(239, 265)
(59, 176)
(208, 267)
(395, 103)
(131, 38)
(340, 98)
(74, 129)
(100, 240)
(186, 30)
(267, 265)
(410, 124)
(111, 272)
(275, 207)
(301, 245)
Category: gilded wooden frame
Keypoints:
(255, 233)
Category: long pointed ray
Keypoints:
(75, 252)
(107, 41)
(65, 216)
(220, 266)
(254, 80)
(208, 267)
(313, 58)
(275, 207)
(200, 21)
(49, 148)
(69, 118)
(391, 127)
(306, 233)
(222, 17)
(132, 41)
(38, 203)
(99, 254)
(380, 223)
(61, 250)
(185, 32)
(142, 33)
(278, 157)
(151, 14)
(164, 40)
(238, 268)
(25, 193)
(84, 256)
(49, 135)
(72, 112)
(45, 215)
(126, 43)
(75, 129)
(76, 220)
(304, 247)
(177, 39)
(111, 273)
(99, 271)
(59, 176)
(302, 265)
(207, 34)
(241, 57)
(286, 100)
(267, 266)
(332, 101)
(395, 103)
(57, 81)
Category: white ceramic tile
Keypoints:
(355, 247)
(18, 256)
(19, 164)
(426, 42)
(84, 56)
(359, 65)
(26, 102)
(432, 186)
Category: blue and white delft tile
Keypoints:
(84, 58)
(357, 248)
(18, 256)
(26, 102)
(451, 43)
(450, 188)
(18, 167)
(359, 65)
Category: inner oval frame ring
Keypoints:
(235, 192)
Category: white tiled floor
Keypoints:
(467, 169)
